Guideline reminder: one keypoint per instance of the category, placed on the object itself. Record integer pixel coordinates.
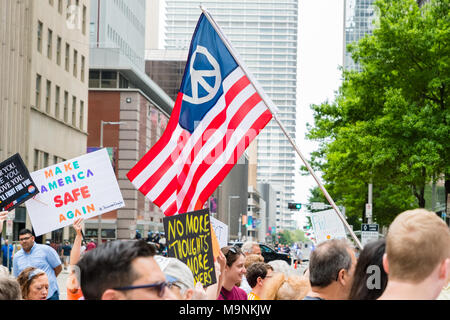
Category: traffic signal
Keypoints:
(294, 206)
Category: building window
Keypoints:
(74, 111)
(49, 43)
(38, 91)
(45, 160)
(67, 57)
(36, 160)
(83, 66)
(66, 106)
(57, 97)
(84, 20)
(94, 79)
(39, 36)
(109, 79)
(75, 63)
(60, 7)
(81, 115)
(58, 50)
(48, 94)
(50, 2)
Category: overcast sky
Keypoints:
(320, 55)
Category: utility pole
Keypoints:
(369, 215)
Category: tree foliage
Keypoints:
(389, 123)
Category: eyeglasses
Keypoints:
(25, 239)
(159, 286)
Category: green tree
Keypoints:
(390, 122)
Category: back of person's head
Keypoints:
(282, 287)
(280, 266)
(416, 244)
(26, 277)
(25, 231)
(327, 260)
(247, 247)
(251, 259)
(370, 279)
(110, 266)
(255, 271)
(293, 288)
(4, 271)
(9, 288)
(179, 274)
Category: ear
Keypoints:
(111, 294)
(188, 294)
(444, 269)
(385, 263)
(341, 276)
(259, 281)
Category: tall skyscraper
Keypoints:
(264, 33)
(358, 21)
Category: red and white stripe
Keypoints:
(182, 170)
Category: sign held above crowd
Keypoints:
(85, 186)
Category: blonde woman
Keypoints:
(33, 284)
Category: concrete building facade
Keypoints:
(44, 72)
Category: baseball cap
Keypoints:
(176, 272)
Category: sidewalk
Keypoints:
(62, 280)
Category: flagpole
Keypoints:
(273, 109)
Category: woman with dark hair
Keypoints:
(234, 270)
(370, 279)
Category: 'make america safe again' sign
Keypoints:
(85, 186)
(16, 185)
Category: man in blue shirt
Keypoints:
(39, 256)
(5, 248)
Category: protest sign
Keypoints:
(16, 185)
(85, 186)
(189, 240)
(221, 231)
(327, 225)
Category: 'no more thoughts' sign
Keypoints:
(85, 186)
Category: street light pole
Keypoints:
(229, 210)
(102, 123)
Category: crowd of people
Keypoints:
(411, 263)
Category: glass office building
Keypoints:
(264, 33)
(358, 21)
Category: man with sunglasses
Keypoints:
(123, 270)
(39, 256)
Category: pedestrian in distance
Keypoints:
(39, 256)
(234, 270)
(331, 270)
(123, 270)
(7, 248)
(91, 245)
(34, 284)
(417, 258)
(370, 279)
(65, 250)
(3, 217)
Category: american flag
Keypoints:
(216, 116)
